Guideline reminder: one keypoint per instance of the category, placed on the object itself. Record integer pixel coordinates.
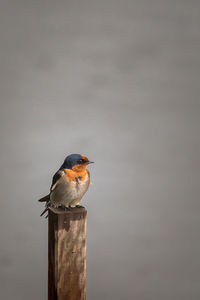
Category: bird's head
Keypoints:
(75, 162)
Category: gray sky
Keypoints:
(117, 81)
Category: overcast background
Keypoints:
(118, 81)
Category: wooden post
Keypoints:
(67, 254)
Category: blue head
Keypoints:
(75, 159)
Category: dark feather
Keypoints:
(46, 209)
(56, 177)
(44, 199)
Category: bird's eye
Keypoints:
(80, 161)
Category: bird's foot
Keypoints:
(64, 207)
(79, 206)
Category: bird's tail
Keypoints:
(47, 200)
(45, 210)
(44, 199)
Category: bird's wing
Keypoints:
(55, 181)
(56, 178)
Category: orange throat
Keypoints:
(76, 171)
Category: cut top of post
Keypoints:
(73, 210)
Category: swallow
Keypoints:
(69, 183)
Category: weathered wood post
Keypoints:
(67, 254)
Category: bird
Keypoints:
(69, 183)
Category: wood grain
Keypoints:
(67, 254)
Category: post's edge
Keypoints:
(74, 210)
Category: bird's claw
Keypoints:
(64, 207)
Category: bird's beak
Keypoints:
(90, 162)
